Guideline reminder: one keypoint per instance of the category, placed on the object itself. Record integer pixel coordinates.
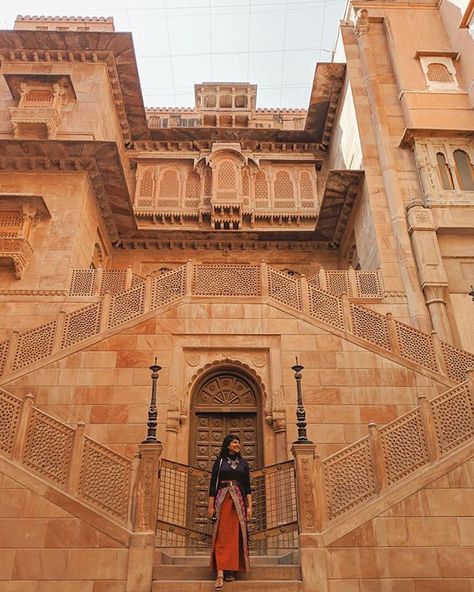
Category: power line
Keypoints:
(236, 52)
(169, 47)
(285, 22)
(295, 3)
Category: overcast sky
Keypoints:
(272, 43)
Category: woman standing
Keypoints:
(230, 506)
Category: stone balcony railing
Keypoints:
(357, 284)
(380, 332)
(26, 118)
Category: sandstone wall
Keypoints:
(423, 544)
(107, 385)
(44, 548)
(65, 240)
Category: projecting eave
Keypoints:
(325, 93)
(99, 160)
(240, 135)
(71, 46)
(340, 194)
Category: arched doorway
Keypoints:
(225, 401)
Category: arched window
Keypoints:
(226, 175)
(210, 101)
(207, 185)
(463, 170)
(192, 189)
(169, 189)
(245, 185)
(241, 101)
(261, 190)
(146, 184)
(225, 101)
(306, 190)
(444, 172)
(437, 72)
(283, 187)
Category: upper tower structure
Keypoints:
(64, 23)
(224, 105)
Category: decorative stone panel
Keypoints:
(40, 101)
(18, 216)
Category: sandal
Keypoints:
(229, 577)
(219, 583)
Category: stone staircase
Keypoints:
(341, 491)
(267, 573)
(116, 309)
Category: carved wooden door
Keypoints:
(225, 403)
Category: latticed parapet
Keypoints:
(64, 23)
(230, 192)
(16, 225)
(40, 100)
(38, 114)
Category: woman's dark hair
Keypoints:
(225, 444)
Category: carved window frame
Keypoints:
(434, 85)
(426, 152)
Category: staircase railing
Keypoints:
(361, 471)
(65, 457)
(182, 507)
(227, 280)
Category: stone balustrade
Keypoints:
(65, 457)
(357, 284)
(330, 488)
(126, 296)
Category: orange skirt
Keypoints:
(229, 551)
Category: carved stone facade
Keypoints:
(224, 241)
(227, 189)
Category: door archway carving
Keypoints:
(226, 391)
(224, 401)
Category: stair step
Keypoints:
(201, 572)
(161, 558)
(245, 586)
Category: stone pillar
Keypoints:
(390, 177)
(305, 455)
(144, 510)
(431, 270)
(311, 510)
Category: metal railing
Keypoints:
(182, 507)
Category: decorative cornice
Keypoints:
(27, 292)
(25, 46)
(225, 246)
(99, 160)
(84, 19)
(192, 148)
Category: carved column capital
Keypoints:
(362, 23)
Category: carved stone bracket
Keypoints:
(18, 216)
(362, 23)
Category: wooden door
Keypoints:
(224, 403)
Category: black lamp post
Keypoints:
(300, 412)
(152, 412)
